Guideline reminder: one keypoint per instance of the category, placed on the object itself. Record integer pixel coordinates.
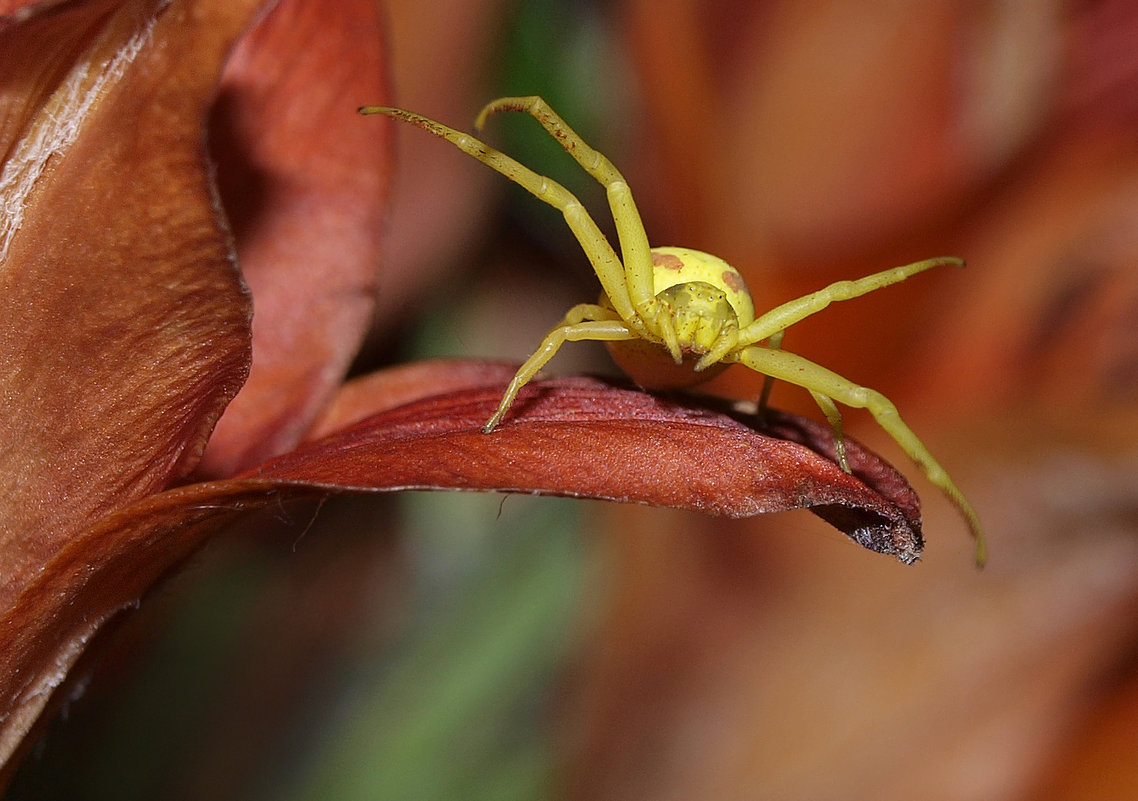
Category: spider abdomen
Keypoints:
(651, 366)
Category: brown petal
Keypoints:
(585, 438)
(124, 325)
(378, 392)
(577, 437)
(303, 178)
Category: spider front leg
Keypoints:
(583, 322)
(773, 324)
(605, 263)
(635, 251)
(794, 369)
(782, 317)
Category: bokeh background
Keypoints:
(479, 647)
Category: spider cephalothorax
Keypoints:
(673, 317)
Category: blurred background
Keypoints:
(481, 647)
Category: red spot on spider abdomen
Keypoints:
(734, 281)
(668, 261)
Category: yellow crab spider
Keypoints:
(674, 317)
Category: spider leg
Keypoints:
(834, 418)
(774, 343)
(635, 250)
(819, 381)
(782, 317)
(586, 312)
(577, 325)
(825, 403)
(601, 256)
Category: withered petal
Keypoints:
(304, 181)
(584, 437)
(576, 437)
(124, 324)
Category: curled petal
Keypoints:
(124, 325)
(573, 437)
(586, 438)
(303, 179)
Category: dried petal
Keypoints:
(124, 326)
(577, 437)
(583, 437)
(303, 179)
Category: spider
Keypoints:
(675, 317)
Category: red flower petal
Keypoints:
(578, 437)
(124, 327)
(303, 178)
(583, 437)
(124, 324)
